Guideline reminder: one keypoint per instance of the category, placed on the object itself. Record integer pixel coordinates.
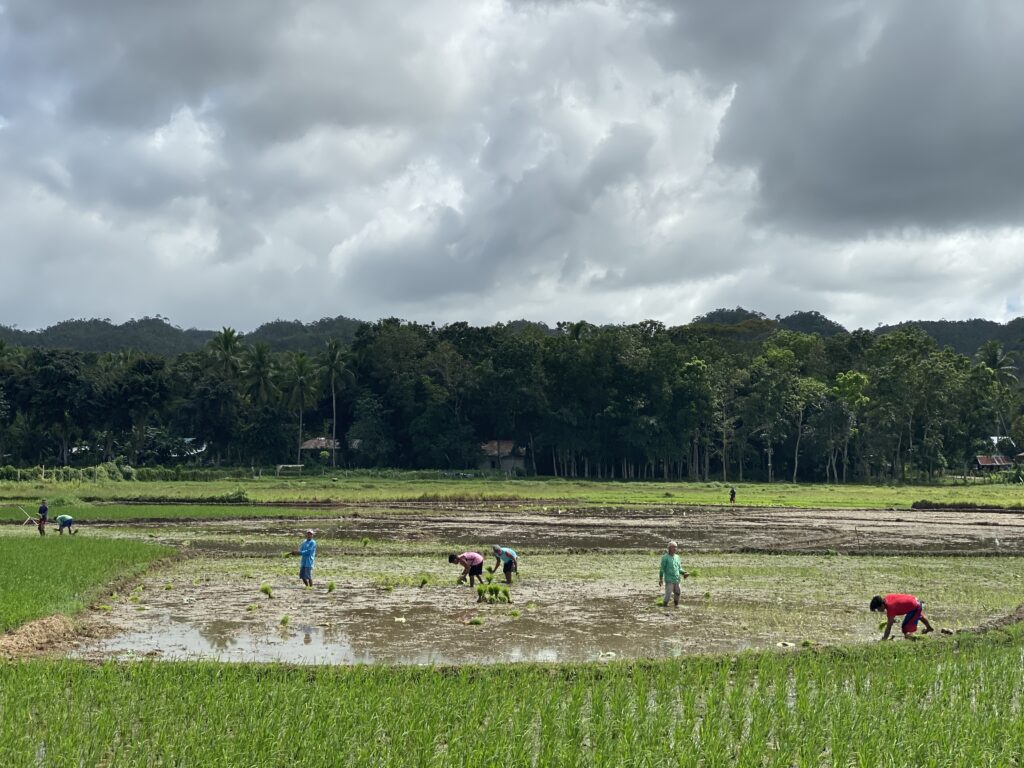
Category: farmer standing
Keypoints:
(307, 551)
(509, 561)
(668, 574)
(65, 521)
(472, 566)
(907, 606)
(44, 517)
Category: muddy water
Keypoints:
(433, 635)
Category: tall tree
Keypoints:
(335, 365)
(300, 388)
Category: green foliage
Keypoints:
(267, 590)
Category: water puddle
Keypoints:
(434, 632)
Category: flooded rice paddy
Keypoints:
(588, 588)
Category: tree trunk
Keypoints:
(799, 434)
(298, 451)
(334, 426)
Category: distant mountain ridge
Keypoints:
(156, 335)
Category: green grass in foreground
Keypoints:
(357, 488)
(952, 702)
(40, 576)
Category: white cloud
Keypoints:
(599, 160)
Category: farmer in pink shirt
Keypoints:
(472, 565)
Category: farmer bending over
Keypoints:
(509, 561)
(907, 606)
(669, 573)
(65, 521)
(307, 551)
(472, 565)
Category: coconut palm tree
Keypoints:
(259, 371)
(225, 348)
(334, 365)
(992, 355)
(300, 388)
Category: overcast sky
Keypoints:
(238, 161)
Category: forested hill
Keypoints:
(155, 335)
(965, 336)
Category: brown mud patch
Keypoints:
(701, 530)
(38, 637)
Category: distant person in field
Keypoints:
(907, 606)
(307, 551)
(669, 574)
(472, 566)
(508, 559)
(44, 517)
(732, 495)
(65, 521)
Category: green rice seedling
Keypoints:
(102, 607)
(74, 576)
(505, 594)
(489, 579)
(252, 607)
(133, 599)
(424, 581)
(515, 614)
(490, 569)
(476, 621)
(366, 541)
(330, 586)
(168, 586)
(267, 590)
(481, 593)
(285, 619)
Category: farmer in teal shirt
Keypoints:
(509, 561)
(669, 573)
(307, 551)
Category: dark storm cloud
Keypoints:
(861, 117)
(231, 162)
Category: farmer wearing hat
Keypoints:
(307, 551)
(907, 606)
(509, 561)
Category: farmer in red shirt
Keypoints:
(907, 606)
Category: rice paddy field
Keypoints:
(218, 656)
(61, 574)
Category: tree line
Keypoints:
(738, 401)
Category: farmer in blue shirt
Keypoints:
(307, 551)
(509, 561)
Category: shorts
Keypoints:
(910, 620)
(508, 566)
(477, 570)
(306, 573)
